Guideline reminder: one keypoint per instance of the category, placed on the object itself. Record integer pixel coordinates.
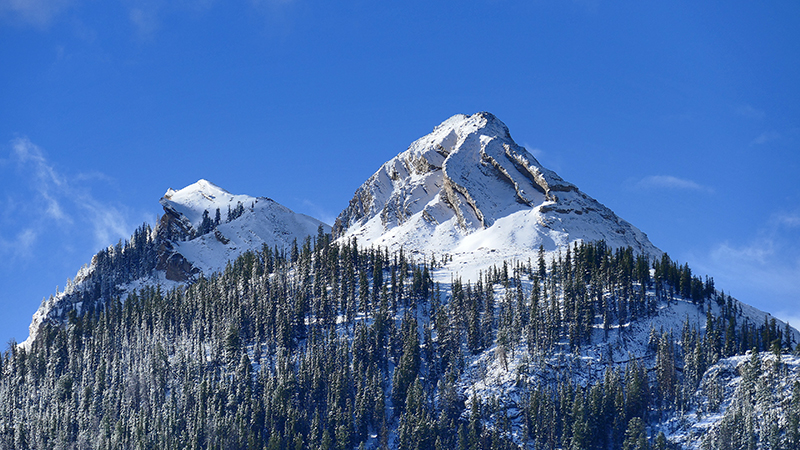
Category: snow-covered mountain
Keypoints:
(202, 229)
(739, 397)
(468, 190)
(492, 321)
(235, 224)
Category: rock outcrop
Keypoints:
(468, 186)
(203, 227)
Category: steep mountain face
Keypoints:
(542, 320)
(740, 400)
(468, 189)
(203, 227)
(344, 347)
(207, 226)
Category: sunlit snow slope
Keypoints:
(181, 247)
(468, 190)
(262, 222)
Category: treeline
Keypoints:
(764, 409)
(111, 267)
(133, 259)
(207, 224)
(328, 345)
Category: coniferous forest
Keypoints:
(326, 345)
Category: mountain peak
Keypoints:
(201, 186)
(468, 187)
(193, 201)
(482, 120)
(188, 240)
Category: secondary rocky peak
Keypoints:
(188, 240)
(199, 199)
(199, 191)
(204, 226)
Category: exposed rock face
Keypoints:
(472, 162)
(173, 264)
(450, 189)
(173, 227)
(203, 227)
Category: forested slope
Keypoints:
(328, 345)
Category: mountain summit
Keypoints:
(602, 342)
(203, 228)
(209, 226)
(468, 188)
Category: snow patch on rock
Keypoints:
(469, 191)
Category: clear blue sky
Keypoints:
(683, 117)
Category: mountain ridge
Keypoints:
(411, 202)
(468, 189)
(466, 293)
(192, 237)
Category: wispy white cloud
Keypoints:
(791, 317)
(25, 240)
(671, 182)
(108, 222)
(788, 220)
(765, 137)
(20, 245)
(319, 212)
(148, 16)
(145, 21)
(535, 151)
(144, 17)
(776, 237)
(763, 271)
(759, 273)
(45, 199)
(142, 14)
(38, 13)
(550, 160)
(46, 180)
(750, 112)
